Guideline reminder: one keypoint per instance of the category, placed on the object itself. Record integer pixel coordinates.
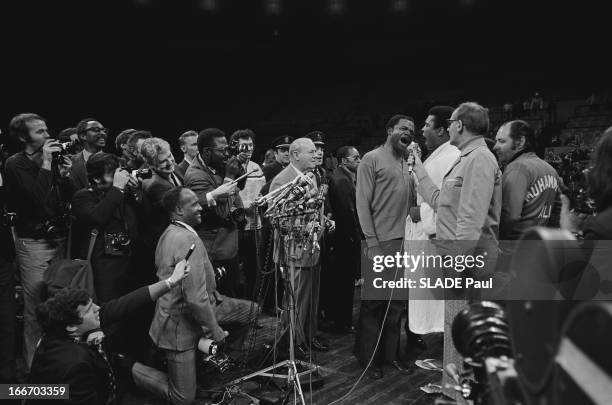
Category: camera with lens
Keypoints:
(214, 356)
(142, 174)
(117, 243)
(235, 148)
(66, 149)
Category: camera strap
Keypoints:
(69, 241)
(92, 242)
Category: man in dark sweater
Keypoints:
(385, 193)
(38, 186)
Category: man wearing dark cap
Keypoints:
(326, 295)
(318, 138)
(281, 157)
(280, 146)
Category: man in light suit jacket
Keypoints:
(93, 137)
(186, 314)
(307, 273)
(197, 309)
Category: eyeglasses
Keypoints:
(354, 158)
(98, 130)
(450, 121)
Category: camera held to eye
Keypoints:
(66, 149)
(142, 174)
(235, 149)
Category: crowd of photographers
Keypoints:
(134, 216)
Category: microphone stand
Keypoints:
(293, 237)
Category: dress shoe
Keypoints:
(348, 330)
(375, 372)
(420, 343)
(339, 329)
(318, 345)
(402, 367)
(414, 341)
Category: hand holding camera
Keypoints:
(51, 149)
(64, 166)
(122, 178)
(219, 335)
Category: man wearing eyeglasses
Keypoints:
(93, 138)
(211, 176)
(467, 204)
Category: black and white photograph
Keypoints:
(305, 202)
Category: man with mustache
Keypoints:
(211, 176)
(385, 192)
(250, 236)
(92, 135)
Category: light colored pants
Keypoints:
(178, 386)
(33, 258)
(234, 311)
(306, 284)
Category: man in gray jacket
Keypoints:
(468, 204)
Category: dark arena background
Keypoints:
(288, 67)
(343, 67)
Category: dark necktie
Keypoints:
(175, 180)
(112, 381)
